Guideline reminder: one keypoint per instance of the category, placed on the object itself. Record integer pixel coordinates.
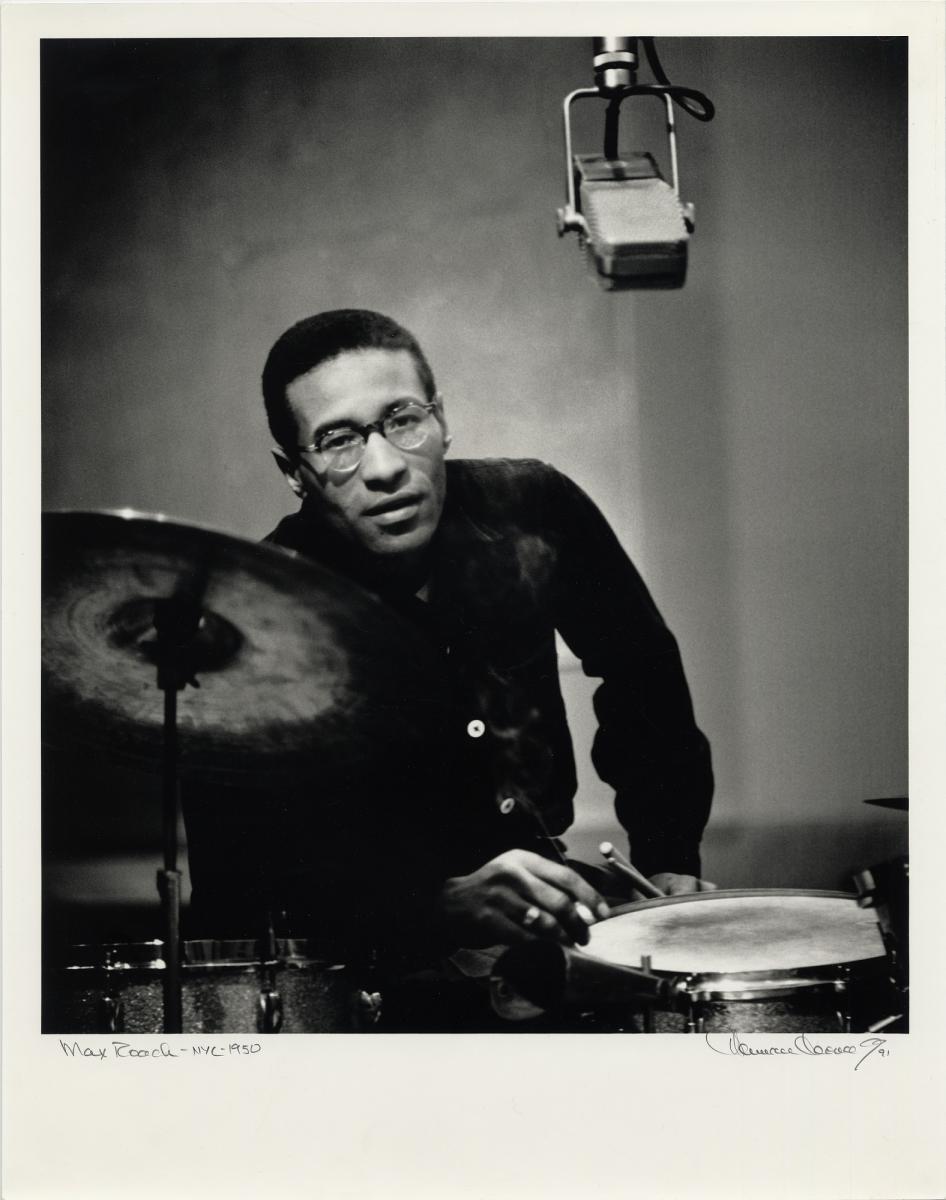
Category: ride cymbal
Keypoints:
(287, 665)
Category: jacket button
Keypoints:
(506, 806)
(476, 729)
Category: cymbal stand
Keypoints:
(177, 620)
(269, 1017)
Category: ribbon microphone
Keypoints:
(630, 219)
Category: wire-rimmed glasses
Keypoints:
(342, 449)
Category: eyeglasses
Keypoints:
(343, 449)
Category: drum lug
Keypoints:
(367, 1009)
(110, 1004)
(689, 1003)
(111, 1014)
(843, 1011)
(646, 961)
(695, 1018)
(269, 1014)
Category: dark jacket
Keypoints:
(520, 552)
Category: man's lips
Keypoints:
(397, 507)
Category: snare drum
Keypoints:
(225, 988)
(767, 961)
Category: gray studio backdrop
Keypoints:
(746, 436)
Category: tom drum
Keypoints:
(225, 988)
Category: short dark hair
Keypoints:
(316, 340)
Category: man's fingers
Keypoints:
(559, 915)
(519, 923)
(564, 879)
(520, 895)
(573, 916)
(541, 910)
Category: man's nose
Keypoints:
(382, 461)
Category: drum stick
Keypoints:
(536, 816)
(620, 863)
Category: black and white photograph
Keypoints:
(473, 561)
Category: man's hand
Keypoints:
(678, 885)
(518, 896)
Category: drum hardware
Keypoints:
(697, 995)
(111, 1014)
(842, 986)
(111, 1008)
(367, 1001)
(112, 1011)
(270, 1015)
(885, 889)
(269, 1019)
(645, 968)
(368, 1009)
(692, 1009)
(177, 620)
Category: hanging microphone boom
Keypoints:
(628, 217)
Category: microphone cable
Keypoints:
(691, 101)
(694, 103)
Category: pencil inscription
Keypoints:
(76, 1049)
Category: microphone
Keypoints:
(630, 220)
(636, 228)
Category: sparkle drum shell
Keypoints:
(754, 960)
(118, 987)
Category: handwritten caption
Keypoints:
(188, 1050)
(802, 1045)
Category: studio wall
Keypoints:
(746, 436)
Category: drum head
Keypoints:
(737, 931)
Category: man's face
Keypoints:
(390, 504)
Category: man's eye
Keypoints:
(342, 439)
(405, 420)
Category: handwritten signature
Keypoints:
(76, 1049)
(802, 1045)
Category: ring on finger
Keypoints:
(530, 916)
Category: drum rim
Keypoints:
(196, 954)
(728, 894)
(709, 986)
(773, 983)
(777, 983)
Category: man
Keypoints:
(488, 559)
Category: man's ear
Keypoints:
(290, 471)
(442, 419)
